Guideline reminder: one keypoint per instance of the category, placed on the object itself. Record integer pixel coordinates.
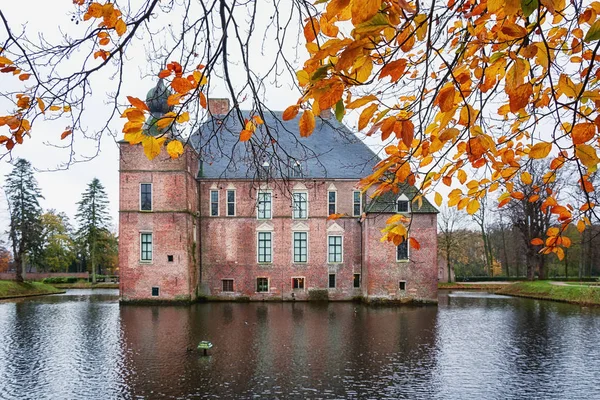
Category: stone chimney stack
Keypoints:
(218, 106)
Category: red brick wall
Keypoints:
(229, 244)
(385, 273)
(174, 202)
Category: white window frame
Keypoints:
(151, 197)
(270, 193)
(294, 247)
(151, 247)
(210, 202)
(407, 259)
(268, 284)
(360, 202)
(258, 248)
(234, 203)
(342, 250)
(294, 193)
(334, 203)
(304, 284)
(402, 197)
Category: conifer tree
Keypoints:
(93, 219)
(23, 196)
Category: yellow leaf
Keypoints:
(361, 101)
(526, 178)
(540, 150)
(580, 226)
(134, 115)
(303, 77)
(151, 147)
(473, 206)
(175, 148)
(55, 108)
(307, 123)
(5, 61)
(366, 115)
(134, 137)
(494, 5)
(583, 132)
(41, 105)
(184, 117)
(165, 120)
(438, 199)
(258, 119)
(587, 155)
(462, 176)
(120, 27)
(566, 85)
(364, 10)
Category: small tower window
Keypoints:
(155, 291)
(296, 170)
(146, 197)
(402, 204)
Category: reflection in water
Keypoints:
(83, 345)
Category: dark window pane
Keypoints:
(335, 249)
(356, 281)
(402, 206)
(146, 247)
(331, 281)
(402, 251)
(300, 247)
(264, 247)
(262, 284)
(228, 285)
(402, 285)
(230, 203)
(155, 291)
(146, 197)
(214, 203)
(297, 283)
(356, 210)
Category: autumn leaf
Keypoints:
(394, 70)
(183, 117)
(137, 103)
(583, 132)
(593, 33)
(587, 155)
(5, 61)
(445, 99)
(526, 178)
(472, 206)
(175, 148)
(438, 199)
(519, 97)
(290, 113)
(65, 134)
(311, 29)
(364, 10)
(414, 243)
(537, 242)
(361, 101)
(366, 115)
(120, 27)
(332, 217)
(151, 147)
(181, 85)
(24, 77)
(164, 73)
(540, 150)
(307, 123)
(41, 105)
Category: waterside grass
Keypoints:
(462, 286)
(11, 289)
(544, 290)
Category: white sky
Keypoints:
(62, 189)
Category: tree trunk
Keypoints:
(19, 267)
(93, 256)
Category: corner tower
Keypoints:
(158, 204)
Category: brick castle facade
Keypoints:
(221, 225)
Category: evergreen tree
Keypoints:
(93, 219)
(23, 196)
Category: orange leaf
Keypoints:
(24, 77)
(445, 99)
(414, 243)
(335, 216)
(366, 115)
(120, 27)
(540, 150)
(202, 100)
(137, 103)
(307, 123)
(408, 133)
(41, 105)
(181, 85)
(311, 29)
(581, 133)
(164, 73)
(394, 69)
(519, 97)
(537, 242)
(65, 134)
(290, 112)
(95, 10)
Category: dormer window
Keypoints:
(296, 170)
(402, 204)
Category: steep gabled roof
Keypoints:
(332, 151)
(386, 203)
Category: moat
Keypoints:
(84, 345)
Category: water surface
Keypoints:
(83, 345)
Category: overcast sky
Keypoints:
(62, 188)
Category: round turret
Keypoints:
(156, 99)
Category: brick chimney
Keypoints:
(218, 106)
(326, 114)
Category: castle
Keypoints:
(222, 222)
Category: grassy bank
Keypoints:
(584, 295)
(10, 289)
(461, 286)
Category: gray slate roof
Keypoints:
(386, 203)
(332, 151)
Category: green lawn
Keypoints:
(9, 289)
(586, 295)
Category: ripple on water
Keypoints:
(83, 345)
